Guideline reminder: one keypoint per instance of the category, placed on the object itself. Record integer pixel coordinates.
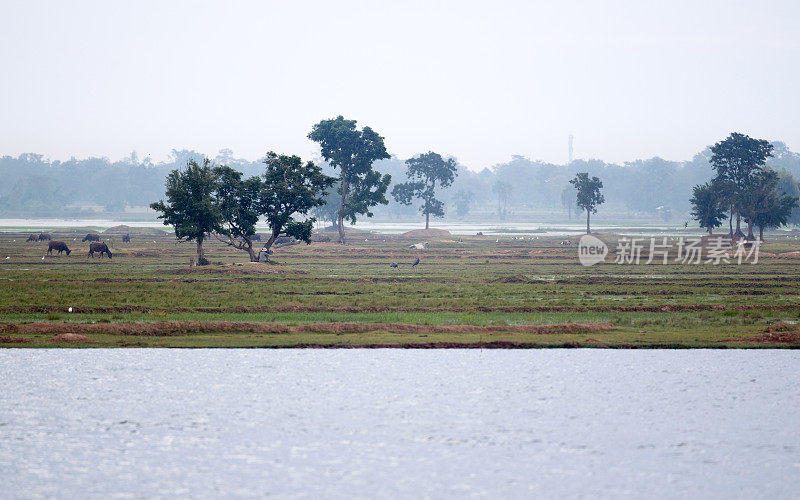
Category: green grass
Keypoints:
(475, 282)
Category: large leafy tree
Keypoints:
(588, 195)
(290, 188)
(353, 152)
(192, 207)
(239, 202)
(767, 206)
(738, 161)
(787, 184)
(707, 206)
(287, 188)
(423, 172)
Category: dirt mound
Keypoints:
(778, 333)
(70, 337)
(134, 231)
(428, 234)
(782, 327)
(240, 269)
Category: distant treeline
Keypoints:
(32, 185)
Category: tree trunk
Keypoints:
(730, 223)
(340, 216)
(739, 233)
(427, 219)
(569, 212)
(199, 250)
(761, 233)
(710, 230)
(587, 222)
(268, 244)
(253, 254)
(750, 235)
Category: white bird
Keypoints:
(69, 310)
(42, 257)
(8, 258)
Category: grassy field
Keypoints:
(471, 291)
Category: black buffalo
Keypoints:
(100, 248)
(91, 237)
(58, 246)
(126, 238)
(45, 237)
(32, 237)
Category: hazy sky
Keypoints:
(477, 80)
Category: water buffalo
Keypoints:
(58, 246)
(45, 237)
(126, 238)
(32, 237)
(91, 237)
(100, 248)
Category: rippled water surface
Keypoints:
(380, 423)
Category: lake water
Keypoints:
(134, 423)
(526, 229)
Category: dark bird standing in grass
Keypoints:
(393, 264)
(415, 262)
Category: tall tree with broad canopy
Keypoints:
(738, 160)
(239, 202)
(767, 206)
(192, 207)
(353, 152)
(287, 188)
(424, 171)
(588, 195)
(707, 206)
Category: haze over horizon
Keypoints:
(478, 83)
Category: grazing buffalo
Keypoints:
(91, 237)
(58, 246)
(99, 248)
(126, 238)
(255, 237)
(32, 237)
(45, 237)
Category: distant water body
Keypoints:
(133, 423)
(525, 229)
